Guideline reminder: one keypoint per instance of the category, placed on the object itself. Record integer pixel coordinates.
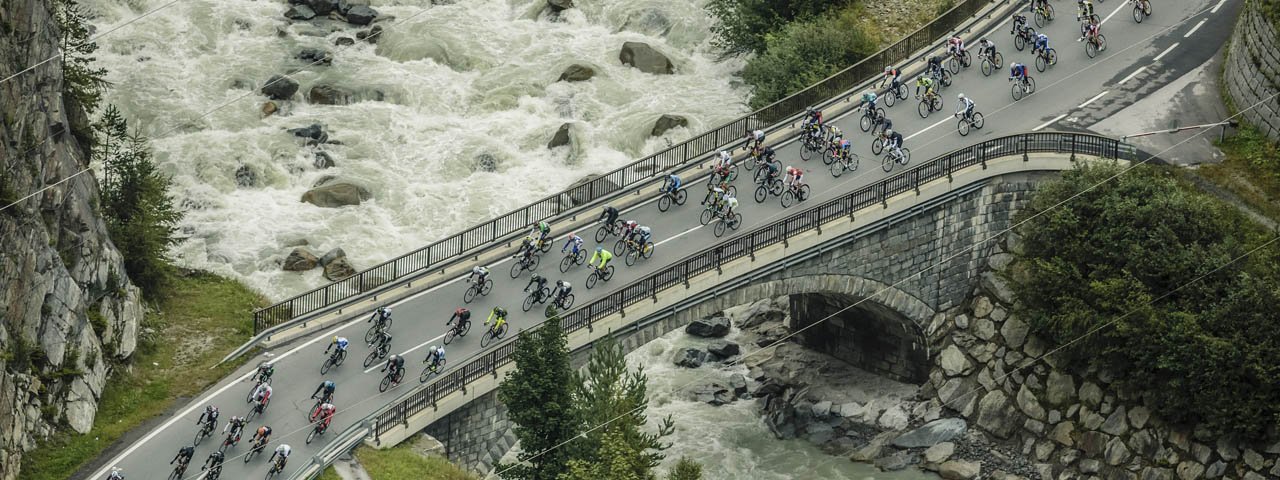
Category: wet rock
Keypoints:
(338, 270)
(561, 138)
(269, 109)
(689, 358)
(324, 179)
(932, 433)
(762, 311)
(280, 87)
(300, 259)
(959, 470)
(993, 414)
(245, 176)
(344, 41)
(314, 131)
(739, 385)
(323, 161)
(818, 433)
(873, 449)
(712, 327)
(645, 58)
(559, 5)
(335, 195)
(332, 255)
(315, 56)
(371, 35)
(299, 12)
(361, 15)
(667, 122)
(1014, 332)
(939, 453)
(897, 461)
(893, 418)
(724, 350)
(329, 95)
(486, 163)
(821, 409)
(576, 72)
(322, 7)
(714, 394)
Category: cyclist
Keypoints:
(768, 154)
(262, 394)
(1041, 45)
(562, 290)
(935, 66)
(396, 364)
(1084, 9)
(1018, 71)
(603, 255)
(115, 474)
(1019, 24)
(265, 370)
(499, 315)
(670, 185)
(462, 315)
(340, 342)
(234, 427)
(641, 236)
(966, 106)
(1091, 31)
(987, 48)
(262, 436)
(542, 229)
(382, 315)
(573, 241)
(758, 137)
(955, 46)
(926, 83)
(795, 177)
(628, 227)
(211, 414)
(326, 414)
(723, 163)
(894, 142)
(283, 451)
(435, 356)
(713, 195)
(184, 455)
(383, 340)
(774, 166)
(812, 117)
(526, 246)
(891, 76)
(540, 282)
(609, 215)
(328, 386)
(479, 272)
(886, 123)
(730, 204)
(834, 134)
(844, 146)
(214, 462)
(869, 99)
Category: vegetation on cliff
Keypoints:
(1168, 290)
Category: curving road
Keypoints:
(1076, 92)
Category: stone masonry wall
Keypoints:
(867, 336)
(1252, 71)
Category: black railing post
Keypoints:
(1073, 147)
(915, 180)
(982, 156)
(1026, 138)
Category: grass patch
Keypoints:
(200, 318)
(403, 463)
(1250, 170)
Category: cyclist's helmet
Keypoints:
(768, 150)
(386, 310)
(888, 131)
(434, 349)
(888, 69)
(608, 207)
(599, 249)
(960, 96)
(335, 338)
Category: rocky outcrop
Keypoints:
(299, 260)
(709, 327)
(562, 137)
(315, 56)
(329, 95)
(645, 58)
(577, 73)
(299, 12)
(667, 122)
(337, 194)
(280, 87)
(361, 15)
(558, 5)
(69, 312)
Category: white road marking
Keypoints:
(1050, 122)
(1165, 52)
(1091, 100)
(1216, 7)
(1197, 27)
(1134, 74)
(1113, 13)
(930, 127)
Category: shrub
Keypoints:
(744, 24)
(805, 52)
(1160, 286)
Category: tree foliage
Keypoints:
(686, 469)
(81, 80)
(539, 402)
(743, 24)
(805, 52)
(611, 402)
(135, 201)
(1147, 279)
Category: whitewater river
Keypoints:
(457, 104)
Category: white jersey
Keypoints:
(284, 450)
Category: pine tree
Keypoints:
(617, 459)
(612, 402)
(537, 396)
(686, 469)
(82, 81)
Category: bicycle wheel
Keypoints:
(946, 78)
(923, 109)
(593, 278)
(646, 251)
(328, 363)
(733, 173)
(620, 247)
(470, 294)
(776, 188)
(311, 436)
(906, 155)
(567, 302)
(601, 233)
(315, 412)
(987, 67)
(1016, 91)
(487, 287)
(252, 411)
(865, 123)
(806, 150)
(966, 58)
(978, 121)
(953, 65)
(890, 97)
(1090, 49)
(732, 190)
(448, 336)
(565, 263)
(1053, 56)
(999, 60)
(1031, 85)
(886, 163)
(1102, 42)
(830, 156)
(963, 127)
(200, 434)
(681, 196)
(705, 218)
(936, 104)
(664, 203)
(516, 268)
(249, 398)
(631, 258)
(1040, 63)
(1041, 21)
(608, 273)
(736, 221)
(788, 198)
(528, 302)
(719, 228)
(425, 375)
(803, 193)
(545, 246)
(837, 168)
(877, 146)
(761, 194)
(1019, 42)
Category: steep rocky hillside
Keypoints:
(67, 311)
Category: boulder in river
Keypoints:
(577, 73)
(714, 394)
(724, 349)
(245, 177)
(711, 327)
(299, 260)
(371, 35)
(323, 160)
(344, 41)
(338, 270)
(299, 12)
(668, 122)
(314, 131)
(645, 58)
(315, 56)
(280, 87)
(333, 195)
(932, 433)
(331, 256)
(361, 15)
(322, 7)
(558, 5)
(329, 95)
(689, 357)
(561, 138)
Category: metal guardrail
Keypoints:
(459, 245)
(746, 245)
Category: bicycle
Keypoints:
(633, 254)
(1044, 14)
(317, 431)
(490, 335)
(942, 77)
(572, 258)
(1025, 36)
(315, 410)
(256, 448)
(538, 295)
(608, 229)
(891, 158)
(727, 222)
(542, 244)
(392, 378)
(249, 398)
(795, 194)
(206, 429)
(677, 197)
(811, 143)
(931, 102)
(477, 289)
(720, 175)
(1023, 87)
(335, 359)
(458, 330)
(957, 60)
(871, 116)
(1141, 10)
(991, 63)
(1046, 59)
(893, 94)
(379, 324)
(379, 352)
(277, 467)
(526, 263)
(598, 275)
(753, 159)
(560, 303)
(432, 369)
(1094, 45)
(974, 121)
(213, 473)
(233, 438)
(257, 409)
(847, 162)
(179, 470)
(767, 186)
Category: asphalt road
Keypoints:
(1139, 57)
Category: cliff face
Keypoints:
(67, 310)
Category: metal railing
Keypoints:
(746, 245)
(459, 245)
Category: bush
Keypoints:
(1160, 286)
(805, 52)
(744, 24)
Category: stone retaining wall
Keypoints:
(1252, 72)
